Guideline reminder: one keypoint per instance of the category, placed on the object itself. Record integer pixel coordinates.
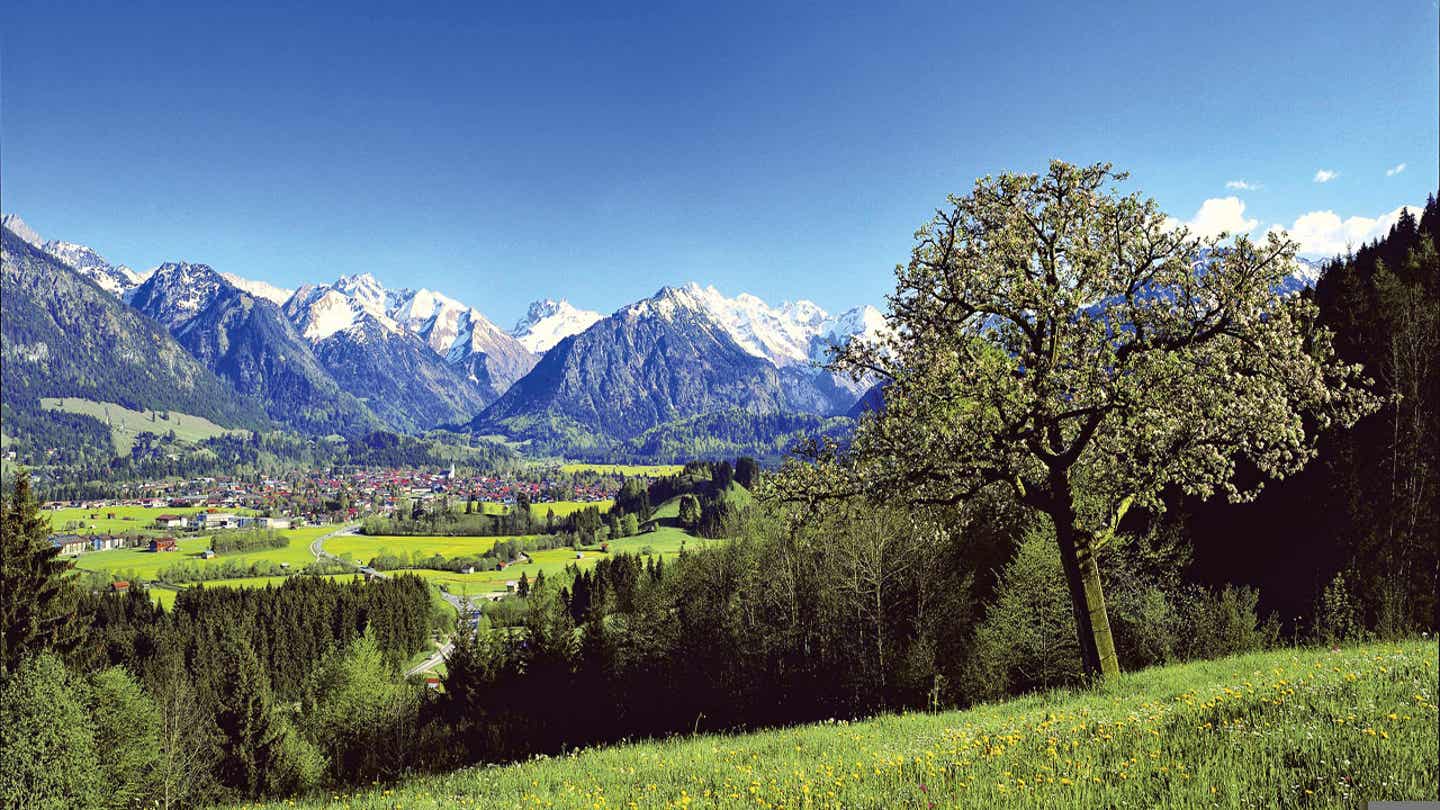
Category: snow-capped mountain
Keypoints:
(260, 289)
(114, 279)
(176, 292)
(321, 310)
(459, 335)
(548, 322)
(796, 333)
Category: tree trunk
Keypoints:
(1087, 599)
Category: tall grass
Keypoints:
(1293, 728)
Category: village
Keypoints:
(207, 504)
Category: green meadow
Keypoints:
(362, 548)
(134, 563)
(127, 518)
(165, 597)
(1289, 728)
(125, 423)
(644, 470)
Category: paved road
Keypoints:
(463, 606)
(431, 662)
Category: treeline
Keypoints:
(108, 701)
(236, 542)
(807, 615)
(85, 465)
(1364, 516)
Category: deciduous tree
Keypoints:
(1077, 346)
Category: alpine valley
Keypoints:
(687, 371)
(684, 371)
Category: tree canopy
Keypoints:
(1075, 345)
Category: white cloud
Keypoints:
(1324, 233)
(1242, 185)
(1391, 172)
(1325, 176)
(1217, 215)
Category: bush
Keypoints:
(1337, 616)
(1224, 623)
(1027, 640)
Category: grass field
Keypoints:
(166, 597)
(125, 424)
(646, 470)
(127, 518)
(132, 563)
(1293, 728)
(553, 562)
(364, 547)
(539, 510)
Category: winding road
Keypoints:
(463, 606)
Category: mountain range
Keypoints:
(351, 355)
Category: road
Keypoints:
(461, 605)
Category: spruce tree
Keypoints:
(38, 602)
(250, 738)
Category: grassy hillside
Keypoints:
(124, 422)
(1294, 728)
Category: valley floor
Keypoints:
(1289, 728)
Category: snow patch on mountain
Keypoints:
(260, 289)
(548, 322)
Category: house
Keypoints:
(104, 542)
(207, 554)
(432, 682)
(511, 586)
(68, 543)
(263, 522)
(162, 544)
(217, 520)
(169, 521)
(120, 586)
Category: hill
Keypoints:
(1290, 728)
(64, 336)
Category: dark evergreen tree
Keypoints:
(38, 603)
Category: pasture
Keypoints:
(365, 547)
(1289, 728)
(538, 510)
(165, 597)
(134, 563)
(125, 423)
(631, 470)
(127, 518)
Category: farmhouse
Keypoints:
(169, 521)
(120, 586)
(68, 543)
(207, 554)
(217, 520)
(162, 544)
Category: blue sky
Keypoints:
(522, 150)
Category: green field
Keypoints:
(124, 423)
(364, 547)
(127, 518)
(539, 510)
(1292, 728)
(165, 597)
(553, 562)
(132, 563)
(645, 470)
